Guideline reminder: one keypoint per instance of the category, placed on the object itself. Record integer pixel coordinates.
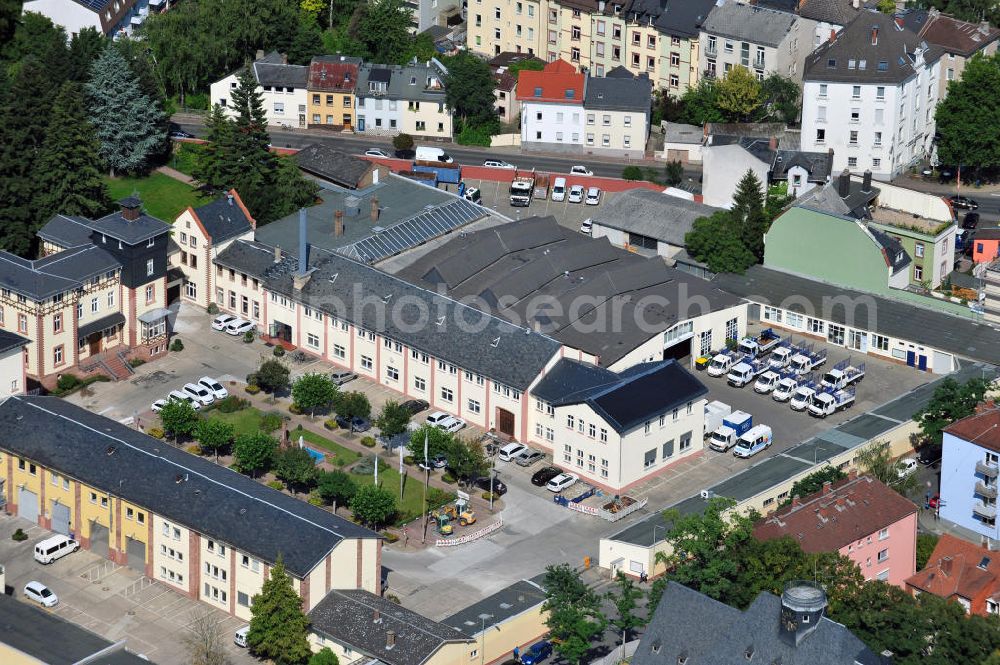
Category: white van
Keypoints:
(559, 190)
(753, 442)
(240, 639)
(429, 154)
(510, 451)
(54, 548)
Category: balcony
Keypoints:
(711, 51)
(759, 63)
(988, 470)
(985, 510)
(988, 491)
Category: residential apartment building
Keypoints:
(616, 114)
(195, 527)
(552, 107)
(660, 39)
(410, 99)
(199, 235)
(970, 464)
(870, 95)
(959, 40)
(111, 18)
(98, 292)
(762, 40)
(859, 518)
(961, 571)
(332, 79)
(830, 16)
(282, 87)
(585, 413)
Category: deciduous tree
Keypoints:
(213, 435)
(324, 657)
(814, 482)
(205, 641)
(700, 103)
(178, 418)
(336, 487)
(278, 626)
(965, 120)
(717, 241)
(272, 376)
(469, 89)
(313, 391)
(625, 599)
(129, 124)
(351, 405)
(373, 505)
(466, 459)
(68, 172)
(296, 467)
(384, 30)
(780, 99)
(438, 442)
(876, 461)
(739, 93)
(574, 614)
(951, 401)
(253, 452)
(393, 419)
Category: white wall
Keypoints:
(552, 123)
(280, 107)
(722, 167)
(71, 15)
(12, 372)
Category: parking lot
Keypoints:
(496, 195)
(115, 602)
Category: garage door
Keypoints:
(60, 518)
(136, 554)
(99, 539)
(27, 504)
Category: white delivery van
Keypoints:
(429, 154)
(559, 190)
(753, 442)
(241, 637)
(54, 548)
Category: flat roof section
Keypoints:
(501, 606)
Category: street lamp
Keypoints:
(482, 647)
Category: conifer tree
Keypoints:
(278, 626)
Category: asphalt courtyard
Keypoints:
(113, 601)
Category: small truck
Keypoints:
(715, 413)
(522, 189)
(781, 356)
(807, 361)
(733, 427)
(745, 372)
(802, 396)
(827, 402)
(766, 382)
(787, 385)
(843, 374)
(761, 345)
(722, 362)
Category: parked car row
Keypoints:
(199, 394)
(444, 421)
(232, 325)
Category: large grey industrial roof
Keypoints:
(421, 319)
(582, 291)
(934, 328)
(652, 214)
(808, 454)
(184, 488)
(759, 25)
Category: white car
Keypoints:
(587, 227)
(907, 466)
(575, 194)
(199, 393)
(498, 164)
(184, 397)
(221, 321)
(377, 152)
(562, 481)
(239, 327)
(437, 418)
(452, 425)
(40, 593)
(593, 196)
(158, 405)
(211, 385)
(580, 170)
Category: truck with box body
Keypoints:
(733, 426)
(715, 413)
(522, 188)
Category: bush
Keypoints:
(276, 485)
(67, 382)
(393, 598)
(196, 100)
(213, 309)
(194, 449)
(294, 409)
(271, 421)
(278, 351)
(449, 477)
(409, 460)
(19, 535)
(315, 499)
(481, 135)
(487, 496)
(136, 362)
(330, 424)
(368, 441)
(632, 172)
(248, 337)
(155, 432)
(231, 404)
(177, 345)
(390, 537)
(252, 389)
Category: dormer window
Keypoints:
(831, 63)
(150, 242)
(538, 92)
(570, 93)
(883, 65)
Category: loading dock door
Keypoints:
(99, 539)
(60, 518)
(136, 550)
(27, 504)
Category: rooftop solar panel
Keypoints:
(413, 231)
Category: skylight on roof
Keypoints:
(831, 63)
(570, 93)
(883, 65)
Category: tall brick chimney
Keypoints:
(131, 208)
(827, 486)
(374, 208)
(338, 223)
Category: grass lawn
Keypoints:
(248, 420)
(413, 488)
(244, 421)
(162, 196)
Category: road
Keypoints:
(467, 155)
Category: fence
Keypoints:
(616, 656)
(451, 542)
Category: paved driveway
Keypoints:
(113, 601)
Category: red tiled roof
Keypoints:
(954, 569)
(558, 82)
(332, 76)
(846, 511)
(982, 428)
